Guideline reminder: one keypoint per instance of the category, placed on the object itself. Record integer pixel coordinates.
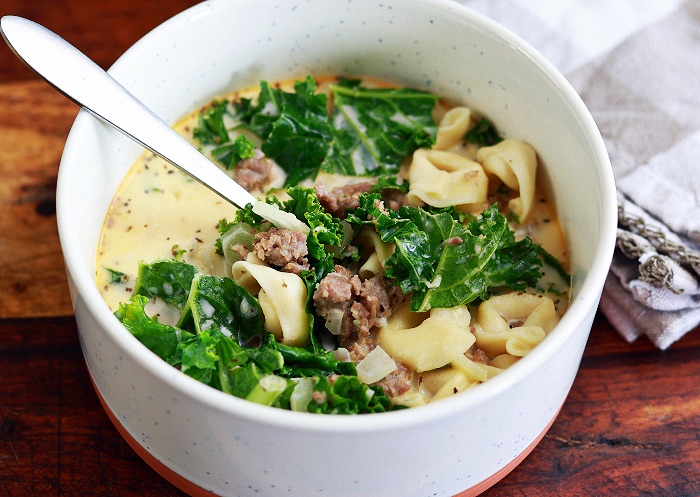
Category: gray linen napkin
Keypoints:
(636, 64)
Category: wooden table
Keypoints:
(630, 427)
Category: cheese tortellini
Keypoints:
(441, 344)
(433, 343)
(441, 179)
(452, 128)
(282, 297)
(514, 162)
(377, 252)
(448, 175)
(514, 323)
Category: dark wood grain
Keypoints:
(34, 124)
(630, 427)
(55, 439)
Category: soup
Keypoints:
(429, 261)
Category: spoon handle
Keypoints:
(80, 79)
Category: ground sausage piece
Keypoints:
(282, 248)
(338, 287)
(375, 300)
(336, 293)
(361, 304)
(360, 341)
(398, 382)
(341, 199)
(253, 174)
(379, 297)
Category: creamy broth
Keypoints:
(161, 213)
(157, 212)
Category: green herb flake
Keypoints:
(116, 276)
(177, 252)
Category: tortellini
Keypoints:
(452, 128)
(433, 343)
(444, 382)
(378, 251)
(441, 179)
(514, 323)
(446, 174)
(282, 297)
(514, 162)
(403, 318)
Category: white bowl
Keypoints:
(206, 441)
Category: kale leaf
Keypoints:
(167, 279)
(370, 132)
(211, 129)
(375, 129)
(220, 303)
(231, 152)
(295, 127)
(161, 339)
(347, 395)
(483, 134)
(197, 357)
(303, 362)
(388, 182)
(445, 263)
(325, 229)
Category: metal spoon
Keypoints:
(80, 79)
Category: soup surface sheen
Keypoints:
(391, 329)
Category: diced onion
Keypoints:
(301, 395)
(163, 312)
(279, 218)
(375, 366)
(333, 321)
(342, 354)
(272, 383)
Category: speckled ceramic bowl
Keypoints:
(208, 442)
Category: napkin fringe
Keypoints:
(657, 237)
(653, 288)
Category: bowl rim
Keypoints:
(579, 309)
